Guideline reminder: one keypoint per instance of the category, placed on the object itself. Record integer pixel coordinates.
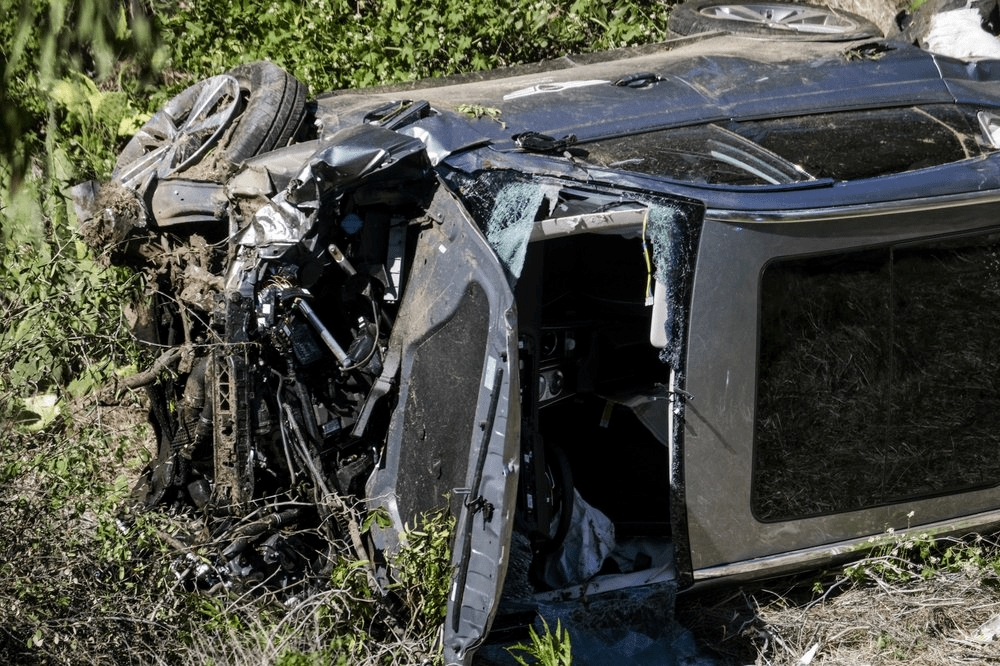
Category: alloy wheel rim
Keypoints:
(780, 16)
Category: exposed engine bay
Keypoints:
(281, 319)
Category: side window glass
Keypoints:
(945, 410)
(701, 154)
(877, 377)
(866, 144)
(845, 145)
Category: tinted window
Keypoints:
(865, 144)
(878, 379)
(703, 154)
(841, 146)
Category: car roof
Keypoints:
(701, 80)
(712, 79)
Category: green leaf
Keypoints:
(38, 412)
(77, 94)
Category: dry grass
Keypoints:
(899, 606)
(79, 587)
(932, 622)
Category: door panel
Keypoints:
(453, 438)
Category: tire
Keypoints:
(770, 19)
(273, 114)
(250, 110)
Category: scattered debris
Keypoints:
(988, 631)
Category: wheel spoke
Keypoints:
(182, 132)
(136, 171)
(808, 19)
(782, 17)
(213, 106)
(204, 125)
(742, 13)
(160, 128)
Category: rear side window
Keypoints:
(842, 146)
(705, 154)
(878, 378)
(865, 144)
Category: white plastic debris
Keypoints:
(988, 631)
(958, 33)
(807, 658)
(589, 541)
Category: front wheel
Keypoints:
(251, 109)
(775, 20)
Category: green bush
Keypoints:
(60, 314)
(333, 44)
(52, 41)
(423, 569)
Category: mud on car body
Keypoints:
(663, 317)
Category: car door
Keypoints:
(454, 430)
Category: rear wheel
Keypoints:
(778, 20)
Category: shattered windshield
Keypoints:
(514, 210)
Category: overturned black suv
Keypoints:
(714, 309)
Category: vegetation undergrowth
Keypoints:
(911, 599)
(332, 44)
(548, 648)
(913, 557)
(84, 580)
